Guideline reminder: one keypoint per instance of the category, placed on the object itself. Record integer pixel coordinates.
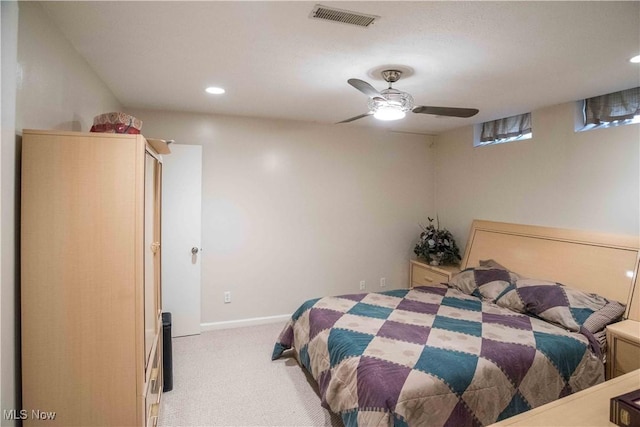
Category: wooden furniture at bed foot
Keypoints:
(90, 288)
(623, 351)
(423, 274)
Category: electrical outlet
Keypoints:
(227, 297)
(383, 282)
(362, 285)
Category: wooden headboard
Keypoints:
(605, 264)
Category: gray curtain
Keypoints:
(623, 105)
(506, 128)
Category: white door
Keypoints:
(181, 228)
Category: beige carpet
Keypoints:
(227, 378)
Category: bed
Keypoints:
(500, 338)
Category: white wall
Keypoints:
(57, 89)
(9, 12)
(45, 85)
(560, 178)
(294, 210)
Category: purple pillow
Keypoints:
(487, 281)
(559, 304)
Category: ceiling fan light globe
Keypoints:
(398, 99)
(389, 113)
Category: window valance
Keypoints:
(617, 106)
(507, 127)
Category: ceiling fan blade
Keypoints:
(365, 88)
(446, 111)
(355, 118)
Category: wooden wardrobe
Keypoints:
(90, 279)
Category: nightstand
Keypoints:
(423, 274)
(623, 348)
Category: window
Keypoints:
(613, 109)
(508, 129)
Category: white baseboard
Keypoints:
(244, 322)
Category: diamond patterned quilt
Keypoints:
(433, 356)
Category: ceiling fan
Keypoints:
(392, 104)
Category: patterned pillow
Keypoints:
(487, 281)
(559, 304)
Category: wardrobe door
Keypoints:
(151, 255)
(78, 290)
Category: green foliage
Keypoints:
(437, 245)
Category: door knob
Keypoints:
(194, 250)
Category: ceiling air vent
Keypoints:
(343, 16)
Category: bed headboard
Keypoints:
(605, 264)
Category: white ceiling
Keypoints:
(503, 58)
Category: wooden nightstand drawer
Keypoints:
(626, 356)
(424, 275)
(623, 353)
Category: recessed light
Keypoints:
(635, 59)
(214, 90)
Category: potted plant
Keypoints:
(437, 245)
